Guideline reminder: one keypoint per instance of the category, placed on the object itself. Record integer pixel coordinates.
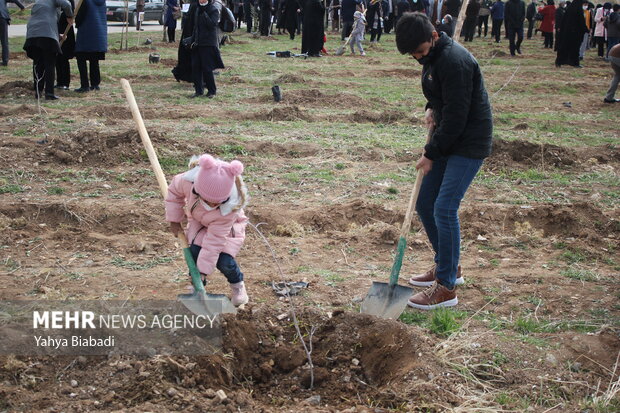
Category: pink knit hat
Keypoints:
(216, 178)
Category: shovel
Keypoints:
(340, 50)
(198, 302)
(389, 300)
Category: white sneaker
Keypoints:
(239, 294)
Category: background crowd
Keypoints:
(570, 29)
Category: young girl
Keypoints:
(211, 196)
(359, 27)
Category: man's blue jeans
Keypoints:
(441, 193)
(225, 263)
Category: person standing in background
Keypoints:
(91, 43)
(139, 14)
(586, 36)
(266, 11)
(600, 31)
(497, 14)
(42, 44)
(514, 15)
(571, 35)
(483, 17)
(559, 15)
(313, 28)
(529, 16)
(374, 17)
(546, 26)
(613, 28)
(170, 21)
(5, 20)
(63, 67)
(471, 18)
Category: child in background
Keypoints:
(359, 27)
(211, 197)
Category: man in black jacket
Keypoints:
(529, 16)
(514, 15)
(458, 113)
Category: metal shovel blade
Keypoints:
(208, 305)
(386, 301)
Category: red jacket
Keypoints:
(548, 21)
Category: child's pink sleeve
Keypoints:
(175, 201)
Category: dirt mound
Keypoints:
(289, 78)
(580, 220)
(236, 80)
(513, 154)
(290, 150)
(75, 217)
(350, 352)
(20, 110)
(317, 98)
(132, 49)
(339, 217)
(168, 62)
(17, 87)
(97, 148)
(149, 78)
(262, 362)
(282, 113)
(386, 116)
(405, 73)
(17, 56)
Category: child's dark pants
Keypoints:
(225, 263)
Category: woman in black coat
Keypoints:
(63, 67)
(570, 36)
(183, 69)
(313, 28)
(291, 10)
(206, 54)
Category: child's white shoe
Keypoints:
(239, 294)
(363, 54)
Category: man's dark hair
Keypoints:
(412, 30)
(616, 7)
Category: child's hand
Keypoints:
(175, 228)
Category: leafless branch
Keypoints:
(307, 346)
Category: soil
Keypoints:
(81, 218)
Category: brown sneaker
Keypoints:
(435, 296)
(428, 278)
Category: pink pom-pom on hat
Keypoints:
(216, 178)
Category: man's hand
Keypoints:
(425, 164)
(175, 228)
(429, 121)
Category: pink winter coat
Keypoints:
(211, 230)
(599, 18)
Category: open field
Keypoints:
(329, 170)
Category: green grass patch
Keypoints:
(11, 189)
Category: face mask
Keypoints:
(585, 7)
(426, 59)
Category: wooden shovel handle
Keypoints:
(150, 151)
(414, 195)
(75, 12)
